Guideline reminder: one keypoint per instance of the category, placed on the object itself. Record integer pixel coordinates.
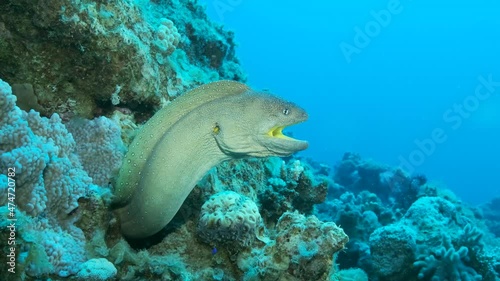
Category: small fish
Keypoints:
(214, 251)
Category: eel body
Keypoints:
(181, 142)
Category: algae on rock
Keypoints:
(84, 57)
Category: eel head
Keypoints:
(257, 130)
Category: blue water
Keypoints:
(404, 93)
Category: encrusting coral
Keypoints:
(98, 54)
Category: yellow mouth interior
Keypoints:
(277, 132)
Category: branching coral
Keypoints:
(446, 263)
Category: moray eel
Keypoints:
(215, 122)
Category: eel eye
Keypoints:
(286, 111)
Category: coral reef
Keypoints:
(83, 57)
(124, 60)
(274, 219)
(66, 238)
(302, 248)
(279, 186)
(390, 184)
(404, 228)
(491, 213)
(253, 219)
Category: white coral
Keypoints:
(97, 270)
(167, 36)
(296, 170)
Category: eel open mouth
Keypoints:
(277, 132)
